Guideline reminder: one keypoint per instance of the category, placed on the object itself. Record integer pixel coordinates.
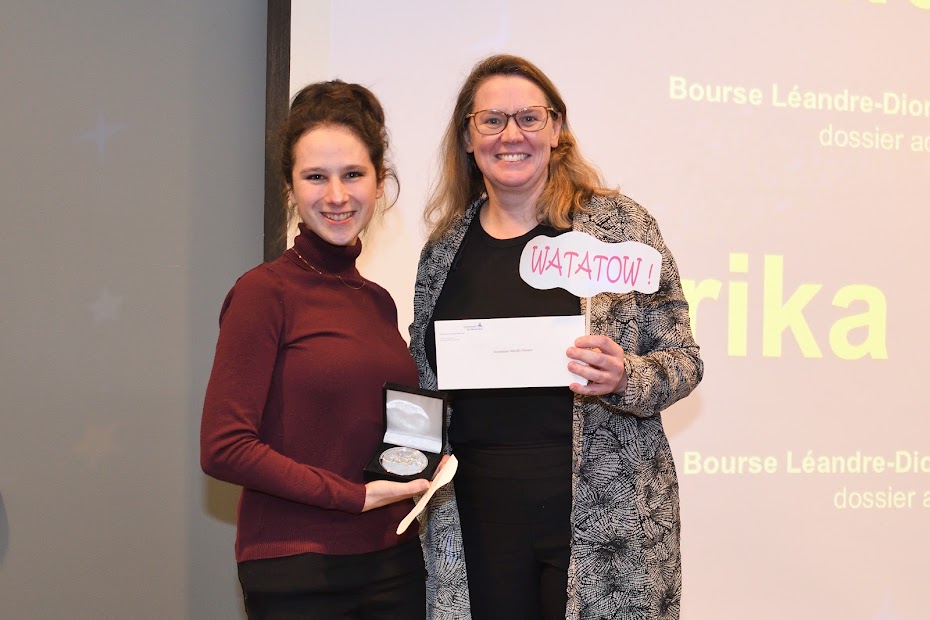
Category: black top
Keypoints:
(484, 283)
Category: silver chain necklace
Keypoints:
(304, 261)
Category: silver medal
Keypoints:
(402, 461)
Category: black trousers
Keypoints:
(383, 585)
(516, 535)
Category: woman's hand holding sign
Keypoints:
(599, 360)
(586, 266)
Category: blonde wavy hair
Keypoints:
(572, 179)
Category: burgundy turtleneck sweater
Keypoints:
(293, 410)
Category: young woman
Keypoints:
(293, 410)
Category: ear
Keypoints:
(380, 190)
(556, 130)
(291, 200)
(466, 138)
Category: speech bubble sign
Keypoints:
(586, 266)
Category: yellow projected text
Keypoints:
(851, 336)
(858, 139)
(856, 464)
(836, 101)
(920, 4)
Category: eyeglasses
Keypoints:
(491, 122)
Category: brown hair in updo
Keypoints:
(337, 104)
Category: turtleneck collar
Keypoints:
(328, 258)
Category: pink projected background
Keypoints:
(784, 148)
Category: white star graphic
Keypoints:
(100, 134)
(107, 307)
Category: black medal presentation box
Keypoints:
(414, 434)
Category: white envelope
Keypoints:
(506, 353)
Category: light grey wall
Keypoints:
(131, 195)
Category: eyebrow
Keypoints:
(325, 169)
(532, 105)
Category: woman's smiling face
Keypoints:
(515, 160)
(334, 184)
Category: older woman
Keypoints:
(565, 504)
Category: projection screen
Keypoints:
(784, 148)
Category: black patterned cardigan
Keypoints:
(625, 546)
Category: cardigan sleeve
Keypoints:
(422, 311)
(252, 323)
(666, 365)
